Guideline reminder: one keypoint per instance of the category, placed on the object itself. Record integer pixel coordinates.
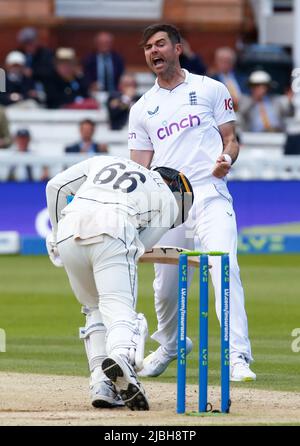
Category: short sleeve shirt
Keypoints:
(181, 125)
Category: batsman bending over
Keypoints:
(119, 209)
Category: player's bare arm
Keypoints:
(231, 148)
(143, 157)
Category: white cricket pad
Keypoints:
(93, 335)
(128, 338)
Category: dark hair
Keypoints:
(87, 121)
(171, 30)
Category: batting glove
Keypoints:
(52, 251)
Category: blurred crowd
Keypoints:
(39, 77)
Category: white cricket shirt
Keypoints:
(108, 191)
(181, 125)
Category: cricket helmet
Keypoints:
(182, 190)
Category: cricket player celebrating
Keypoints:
(187, 120)
(119, 209)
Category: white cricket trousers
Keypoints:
(103, 276)
(212, 221)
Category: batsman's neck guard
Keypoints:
(182, 190)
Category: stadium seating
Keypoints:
(53, 130)
(261, 155)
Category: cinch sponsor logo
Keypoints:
(168, 130)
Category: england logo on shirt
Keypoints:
(193, 98)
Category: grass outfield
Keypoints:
(41, 319)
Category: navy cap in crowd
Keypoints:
(23, 132)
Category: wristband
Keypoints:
(228, 158)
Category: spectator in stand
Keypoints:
(120, 102)
(20, 90)
(66, 88)
(190, 60)
(5, 138)
(262, 111)
(104, 67)
(39, 59)
(236, 83)
(86, 143)
(292, 144)
(25, 172)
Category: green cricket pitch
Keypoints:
(41, 318)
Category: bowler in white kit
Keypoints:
(119, 209)
(186, 121)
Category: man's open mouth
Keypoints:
(157, 61)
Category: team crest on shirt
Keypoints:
(151, 113)
(193, 98)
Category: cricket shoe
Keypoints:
(157, 362)
(117, 369)
(240, 370)
(104, 395)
